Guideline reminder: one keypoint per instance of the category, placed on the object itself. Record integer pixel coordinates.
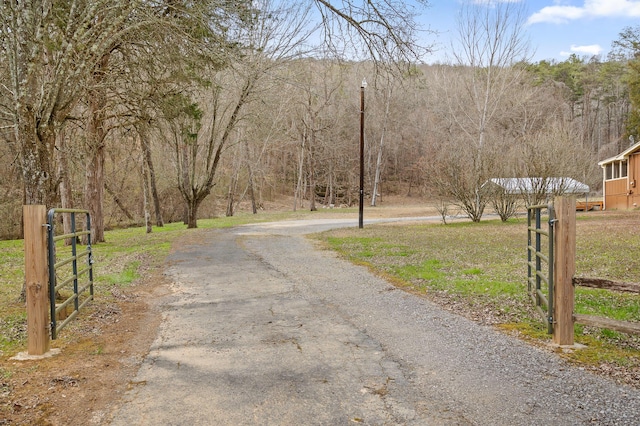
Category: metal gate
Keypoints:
(540, 260)
(79, 281)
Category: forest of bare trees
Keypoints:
(172, 111)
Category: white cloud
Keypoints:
(556, 14)
(590, 9)
(590, 50)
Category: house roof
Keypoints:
(623, 155)
(532, 185)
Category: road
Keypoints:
(263, 328)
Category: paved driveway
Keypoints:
(264, 329)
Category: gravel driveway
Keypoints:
(264, 329)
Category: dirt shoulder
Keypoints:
(100, 352)
(93, 369)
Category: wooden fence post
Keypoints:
(564, 269)
(36, 278)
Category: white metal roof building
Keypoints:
(537, 185)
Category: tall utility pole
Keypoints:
(361, 207)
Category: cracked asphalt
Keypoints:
(263, 328)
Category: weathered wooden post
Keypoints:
(564, 269)
(36, 278)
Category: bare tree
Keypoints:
(504, 203)
(145, 193)
(378, 30)
(273, 35)
(491, 45)
(46, 43)
(277, 34)
(548, 157)
(319, 85)
(383, 133)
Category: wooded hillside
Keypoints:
(173, 111)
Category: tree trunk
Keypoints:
(94, 194)
(118, 202)
(146, 150)
(376, 181)
(254, 205)
(145, 196)
(298, 190)
(96, 133)
(327, 192)
(312, 178)
(230, 195)
(37, 166)
(254, 208)
(192, 213)
(186, 182)
(66, 194)
(33, 130)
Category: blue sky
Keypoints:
(556, 28)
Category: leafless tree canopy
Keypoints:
(181, 110)
(384, 29)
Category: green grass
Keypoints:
(428, 273)
(14, 329)
(473, 259)
(608, 304)
(127, 276)
(483, 266)
(119, 262)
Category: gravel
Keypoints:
(264, 328)
(472, 372)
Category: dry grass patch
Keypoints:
(479, 270)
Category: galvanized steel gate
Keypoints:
(540, 260)
(71, 275)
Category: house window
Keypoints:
(616, 170)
